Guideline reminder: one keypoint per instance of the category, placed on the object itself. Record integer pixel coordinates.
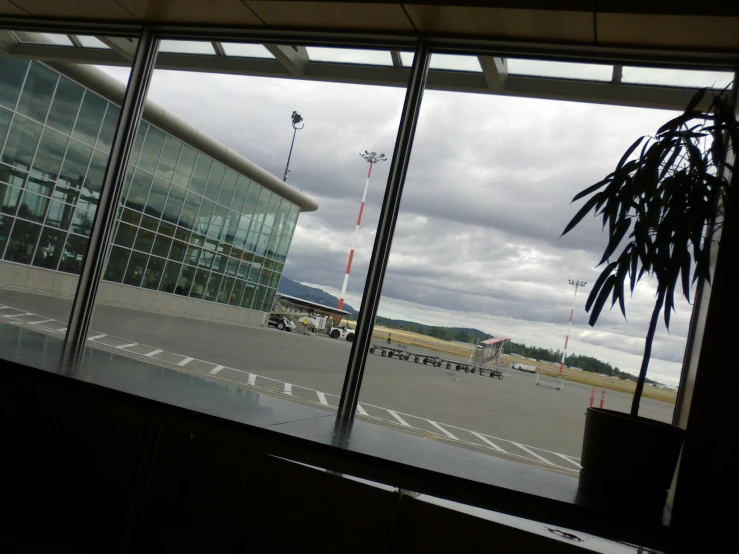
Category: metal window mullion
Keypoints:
(384, 236)
(99, 241)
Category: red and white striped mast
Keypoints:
(577, 285)
(372, 158)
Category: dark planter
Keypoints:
(627, 464)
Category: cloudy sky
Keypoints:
(487, 195)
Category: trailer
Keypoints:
(389, 352)
(469, 368)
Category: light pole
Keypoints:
(372, 158)
(298, 124)
(577, 285)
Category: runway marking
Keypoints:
(129, 345)
(568, 458)
(252, 380)
(96, 337)
(534, 454)
(154, 353)
(184, 362)
(4, 307)
(216, 370)
(361, 411)
(403, 422)
(61, 330)
(287, 389)
(322, 398)
(440, 428)
(488, 442)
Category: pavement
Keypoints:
(512, 417)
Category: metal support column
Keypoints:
(110, 197)
(384, 236)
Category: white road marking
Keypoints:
(322, 398)
(440, 428)
(361, 410)
(534, 454)
(184, 362)
(62, 330)
(287, 389)
(403, 422)
(4, 307)
(39, 322)
(154, 353)
(216, 370)
(96, 337)
(491, 444)
(252, 380)
(129, 345)
(573, 462)
(19, 315)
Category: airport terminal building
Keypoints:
(201, 230)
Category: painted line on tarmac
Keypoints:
(397, 418)
(534, 454)
(39, 322)
(18, 315)
(440, 428)
(124, 346)
(322, 398)
(96, 337)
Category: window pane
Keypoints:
(96, 173)
(177, 253)
(248, 295)
(189, 211)
(228, 187)
(37, 92)
(5, 224)
(59, 215)
(236, 292)
(105, 139)
(13, 72)
(40, 186)
(252, 200)
(214, 180)
(90, 118)
(242, 187)
(217, 222)
(135, 270)
(224, 294)
(184, 282)
(161, 246)
(153, 273)
(21, 143)
(5, 117)
(116, 267)
(138, 142)
(75, 164)
(264, 199)
(144, 241)
(198, 283)
(214, 284)
(22, 242)
(125, 235)
(49, 248)
(150, 151)
(33, 207)
(274, 206)
(169, 277)
(74, 254)
(50, 154)
(200, 174)
(185, 166)
(157, 197)
(84, 216)
(168, 159)
(129, 216)
(66, 104)
(139, 190)
(150, 223)
(175, 201)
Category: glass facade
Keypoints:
(187, 225)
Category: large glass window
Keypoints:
(57, 122)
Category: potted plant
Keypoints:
(661, 207)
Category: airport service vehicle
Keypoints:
(523, 367)
(342, 333)
(281, 322)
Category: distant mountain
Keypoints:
(313, 294)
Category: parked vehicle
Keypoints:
(523, 367)
(342, 332)
(281, 322)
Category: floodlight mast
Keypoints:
(577, 285)
(372, 158)
(297, 123)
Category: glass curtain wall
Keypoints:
(55, 139)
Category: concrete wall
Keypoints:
(30, 278)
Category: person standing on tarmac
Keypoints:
(388, 338)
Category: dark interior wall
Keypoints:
(88, 469)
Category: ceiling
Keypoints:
(647, 23)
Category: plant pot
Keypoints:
(627, 464)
